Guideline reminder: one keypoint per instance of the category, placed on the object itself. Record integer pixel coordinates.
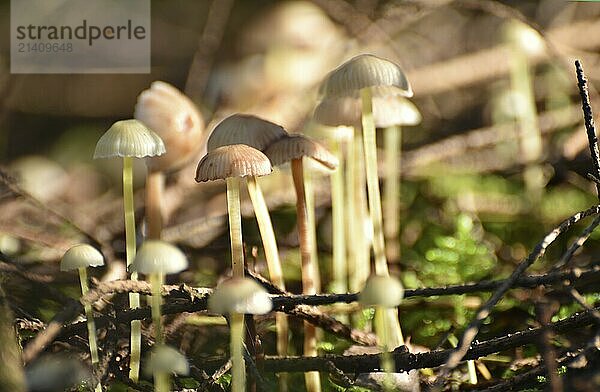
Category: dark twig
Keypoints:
(539, 250)
(588, 117)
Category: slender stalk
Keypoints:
(351, 221)
(381, 267)
(156, 282)
(310, 278)
(392, 137)
(161, 382)
(472, 372)
(312, 224)
(387, 361)
(238, 366)
(339, 270)
(91, 326)
(235, 226)
(155, 184)
(134, 298)
(362, 241)
(267, 234)
(12, 377)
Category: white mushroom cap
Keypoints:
(363, 71)
(298, 146)
(129, 138)
(166, 359)
(237, 160)
(245, 129)
(240, 295)
(379, 290)
(156, 256)
(81, 256)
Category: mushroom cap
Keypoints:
(298, 146)
(81, 256)
(167, 359)
(236, 160)
(175, 118)
(129, 138)
(525, 37)
(380, 290)
(388, 110)
(156, 256)
(245, 129)
(362, 71)
(240, 295)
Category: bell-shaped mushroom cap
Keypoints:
(388, 110)
(363, 71)
(129, 138)
(380, 290)
(298, 146)
(156, 256)
(81, 256)
(525, 37)
(166, 359)
(175, 118)
(240, 295)
(237, 160)
(245, 129)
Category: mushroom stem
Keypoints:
(392, 140)
(339, 268)
(238, 366)
(267, 234)
(351, 236)
(155, 184)
(134, 298)
(91, 326)
(235, 226)
(310, 276)
(361, 241)
(383, 333)
(161, 382)
(156, 282)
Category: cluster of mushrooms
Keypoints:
(364, 93)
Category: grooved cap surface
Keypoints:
(156, 256)
(363, 71)
(237, 160)
(82, 255)
(240, 295)
(129, 138)
(298, 146)
(245, 129)
(174, 117)
(379, 290)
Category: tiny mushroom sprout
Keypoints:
(384, 292)
(257, 133)
(175, 118)
(293, 148)
(164, 361)
(230, 163)
(156, 259)
(236, 297)
(128, 139)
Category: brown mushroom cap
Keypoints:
(236, 160)
(245, 129)
(175, 118)
(298, 146)
(363, 71)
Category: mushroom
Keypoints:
(385, 293)
(293, 148)
(128, 139)
(163, 361)
(79, 257)
(157, 258)
(238, 296)
(175, 118)
(230, 163)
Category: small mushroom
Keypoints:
(129, 139)
(385, 293)
(230, 163)
(80, 257)
(236, 297)
(164, 361)
(293, 148)
(157, 258)
(175, 118)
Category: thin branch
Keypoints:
(588, 117)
